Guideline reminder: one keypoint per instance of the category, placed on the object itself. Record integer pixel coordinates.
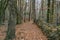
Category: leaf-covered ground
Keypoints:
(29, 31)
(2, 32)
(25, 31)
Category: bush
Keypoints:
(52, 32)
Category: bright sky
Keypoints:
(37, 5)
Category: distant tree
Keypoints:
(19, 11)
(48, 11)
(33, 10)
(30, 9)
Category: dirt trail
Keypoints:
(25, 31)
(29, 31)
(2, 32)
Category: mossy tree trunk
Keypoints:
(12, 20)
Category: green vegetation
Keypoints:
(52, 32)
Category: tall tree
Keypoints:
(20, 4)
(30, 10)
(33, 10)
(48, 11)
(12, 20)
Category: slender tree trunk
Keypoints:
(55, 14)
(25, 12)
(1, 12)
(33, 10)
(48, 11)
(30, 10)
(19, 16)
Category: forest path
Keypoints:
(29, 31)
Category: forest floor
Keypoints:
(25, 31)
(29, 31)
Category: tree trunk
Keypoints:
(33, 10)
(12, 20)
(29, 10)
(48, 11)
(19, 16)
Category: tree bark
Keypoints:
(48, 11)
(12, 20)
(33, 10)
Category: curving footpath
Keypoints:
(29, 31)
